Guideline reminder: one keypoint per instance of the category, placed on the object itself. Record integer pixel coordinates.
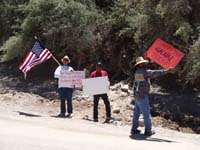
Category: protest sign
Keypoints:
(71, 79)
(94, 86)
(164, 54)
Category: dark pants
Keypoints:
(66, 93)
(106, 102)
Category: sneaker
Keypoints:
(135, 132)
(61, 115)
(149, 133)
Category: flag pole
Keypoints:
(35, 37)
(55, 60)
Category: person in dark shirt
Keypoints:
(98, 73)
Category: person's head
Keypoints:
(141, 62)
(99, 67)
(65, 60)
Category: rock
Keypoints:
(123, 95)
(80, 97)
(86, 117)
(117, 92)
(130, 107)
(4, 91)
(115, 87)
(111, 99)
(50, 94)
(124, 88)
(118, 123)
(117, 119)
(85, 97)
(116, 108)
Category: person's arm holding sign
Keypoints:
(141, 94)
(156, 73)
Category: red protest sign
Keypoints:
(164, 54)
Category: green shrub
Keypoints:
(12, 48)
(184, 31)
(193, 63)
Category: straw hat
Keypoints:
(66, 58)
(141, 60)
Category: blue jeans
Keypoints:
(66, 93)
(142, 106)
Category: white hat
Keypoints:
(66, 57)
(141, 60)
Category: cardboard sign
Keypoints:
(95, 86)
(164, 54)
(71, 79)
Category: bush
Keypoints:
(184, 31)
(12, 48)
(193, 64)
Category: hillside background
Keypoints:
(114, 32)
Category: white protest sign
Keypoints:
(71, 79)
(95, 86)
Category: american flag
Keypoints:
(37, 55)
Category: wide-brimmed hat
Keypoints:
(66, 58)
(141, 60)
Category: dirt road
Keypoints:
(22, 131)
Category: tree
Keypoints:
(64, 26)
(114, 32)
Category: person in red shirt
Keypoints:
(98, 73)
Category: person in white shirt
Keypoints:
(65, 92)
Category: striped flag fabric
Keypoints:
(37, 55)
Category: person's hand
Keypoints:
(170, 70)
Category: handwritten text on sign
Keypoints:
(164, 54)
(71, 79)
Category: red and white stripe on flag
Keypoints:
(31, 60)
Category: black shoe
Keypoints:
(61, 115)
(69, 115)
(96, 120)
(149, 133)
(135, 132)
(107, 120)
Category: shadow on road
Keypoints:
(27, 114)
(62, 117)
(147, 138)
